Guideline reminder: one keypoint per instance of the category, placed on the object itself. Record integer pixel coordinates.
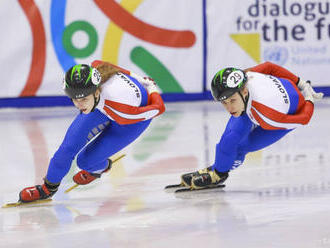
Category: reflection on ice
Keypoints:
(280, 196)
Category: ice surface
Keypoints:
(278, 198)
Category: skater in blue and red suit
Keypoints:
(266, 102)
(115, 104)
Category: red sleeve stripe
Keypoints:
(278, 125)
(119, 119)
(126, 114)
(262, 123)
(275, 70)
(157, 101)
(132, 112)
(301, 117)
(301, 101)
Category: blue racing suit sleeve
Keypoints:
(237, 129)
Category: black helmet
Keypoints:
(81, 80)
(227, 82)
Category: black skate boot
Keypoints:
(186, 178)
(208, 178)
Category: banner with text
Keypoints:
(181, 44)
(293, 34)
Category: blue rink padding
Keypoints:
(57, 101)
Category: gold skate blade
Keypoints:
(76, 185)
(71, 188)
(17, 204)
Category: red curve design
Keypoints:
(39, 48)
(144, 31)
(39, 148)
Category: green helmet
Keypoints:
(227, 82)
(80, 81)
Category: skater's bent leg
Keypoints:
(75, 139)
(113, 139)
(258, 139)
(237, 129)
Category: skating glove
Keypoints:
(149, 84)
(307, 90)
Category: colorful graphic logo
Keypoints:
(122, 21)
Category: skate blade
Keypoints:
(171, 186)
(203, 189)
(76, 185)
(17, 204)
(71, 188)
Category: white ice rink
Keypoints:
(280, 197)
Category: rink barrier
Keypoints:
(58, 101)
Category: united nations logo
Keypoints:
(276, 54)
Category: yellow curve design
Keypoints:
(114, 34)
